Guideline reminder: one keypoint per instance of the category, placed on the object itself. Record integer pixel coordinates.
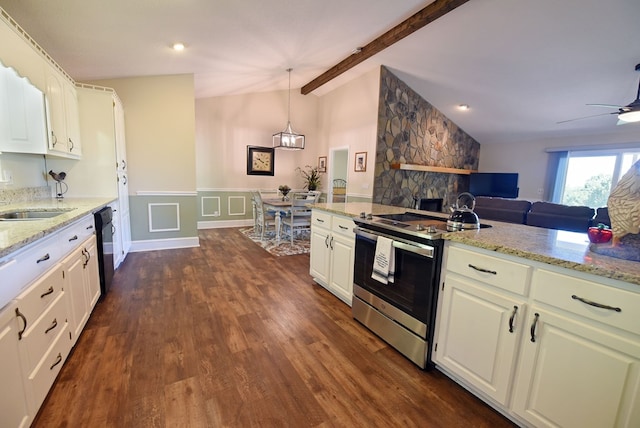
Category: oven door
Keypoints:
(415, 279)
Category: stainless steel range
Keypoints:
(399, 303)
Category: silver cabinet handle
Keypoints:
(512, 318)
(73, 238)
(43, 258)
(596, 304)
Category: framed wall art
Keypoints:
(361, 162)
(322, 164)
(260, 160)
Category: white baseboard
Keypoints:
(224, 223)
(164, 244)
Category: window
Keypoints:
(587, 177)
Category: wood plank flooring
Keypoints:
(226, 335)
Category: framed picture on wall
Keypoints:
(260, 160)
(361, 162)
(322, 164)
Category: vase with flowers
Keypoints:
(284, 190)
(311, 177)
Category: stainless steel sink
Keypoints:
(26, 215)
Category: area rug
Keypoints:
(301, 244)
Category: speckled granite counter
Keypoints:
(555, 247)
(16, 234)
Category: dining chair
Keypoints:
(263, 218)
(339, 190)
(299, 216)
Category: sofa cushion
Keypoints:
(502, 209)
(602, 216)
(557, 216)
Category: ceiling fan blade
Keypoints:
(605, 105)
(584, 117)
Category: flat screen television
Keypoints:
(497, 184)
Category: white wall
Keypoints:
(530, 159)
(225, 126)
(348, 117)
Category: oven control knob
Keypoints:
(432, 229)
(369, 217)
(362, 214)
(419, 227)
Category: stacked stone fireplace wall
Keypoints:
(412, 131)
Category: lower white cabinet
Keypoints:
(13, 398)
(479, 333)
(82, 284)
(568, 356)
(332, 253)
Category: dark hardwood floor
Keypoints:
(226, 335)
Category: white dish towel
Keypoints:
(384, 261)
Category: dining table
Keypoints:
(279, 206)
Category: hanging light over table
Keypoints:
(288, 139)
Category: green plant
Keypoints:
(311, 177)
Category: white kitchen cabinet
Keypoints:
(22, 115)
(122, 169)
(478, 335)
(17, 53)
(580, 364)
(573, 358)
(62, 113)
(13, 398)
(82, 284)
(332, 253)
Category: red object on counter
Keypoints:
(599, 235)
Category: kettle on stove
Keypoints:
(463, 217)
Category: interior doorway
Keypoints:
(338, 174)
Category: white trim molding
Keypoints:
(216, 212)
(169, 229)
(165, 193)
(244, 205)
(164, 244)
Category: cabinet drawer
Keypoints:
(20, 268)
(42, 377)
(321, 218)
(37, 298)
(579, 296)
(43, 332)
(71, 237)
(343, 226)
(501, 273)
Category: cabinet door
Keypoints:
(72, 118)
(320, 255)
(341, 279)
(55, 111)
(91, 274)
(576, 375)
(13, 400)
(75, 287)
(478, 334)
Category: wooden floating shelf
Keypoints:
(427, 168)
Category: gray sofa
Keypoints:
(540, 214)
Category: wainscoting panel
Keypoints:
(237, 205)
(164, 217)
(210, 206)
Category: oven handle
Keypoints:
(403, 244)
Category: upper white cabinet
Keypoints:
(22, 114)
(15, 52)
(62, 113)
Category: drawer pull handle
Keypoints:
(533, 326)
(89, 227)
(492, 272)
(512, 318)
(596, 304)
(46, 293)
(43, 258)
(24, 320)
(58, 361)
(319, 220)
(53, 325)
(73, 238)
(343, 227)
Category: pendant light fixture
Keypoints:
(288, 139)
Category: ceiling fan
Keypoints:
(626, 114)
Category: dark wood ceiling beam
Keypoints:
(425, 16)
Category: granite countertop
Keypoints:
(555, 247)
(17, 234)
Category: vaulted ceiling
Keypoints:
(521, 65)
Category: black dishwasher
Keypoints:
(104, 238)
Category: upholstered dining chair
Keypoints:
(263, 219)
(299, 216)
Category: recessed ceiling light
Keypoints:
(463, 107)
(178, 46)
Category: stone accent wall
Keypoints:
(410, 130)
